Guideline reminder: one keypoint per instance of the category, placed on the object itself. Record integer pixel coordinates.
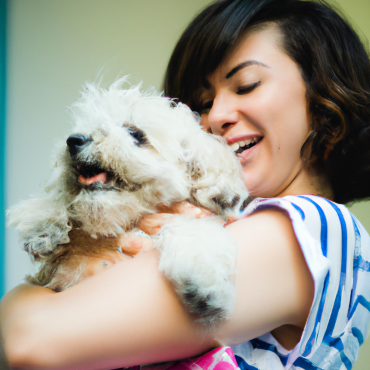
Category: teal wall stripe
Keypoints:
(3, 22)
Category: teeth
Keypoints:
(234, 146)
(241, 143)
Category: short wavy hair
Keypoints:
(334, 65)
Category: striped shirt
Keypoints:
(336, 248)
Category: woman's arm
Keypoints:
(102, 323)
(273, 283)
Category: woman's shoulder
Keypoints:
(310, 218)
(322, 219)
(336, 249)
(306, 206)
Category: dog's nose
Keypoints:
(75, 142)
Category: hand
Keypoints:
(128, 246)
(151, 224)
(134, 242)
(185, 208)
(95, 265)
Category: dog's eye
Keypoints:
(138, 135)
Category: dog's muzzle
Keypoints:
(76, 143)
(91, 175)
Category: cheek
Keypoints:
(286, 120)
(294, 133)
(279, 158)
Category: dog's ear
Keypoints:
(216, 175)
(42, 224)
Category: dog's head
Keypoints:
(129, 152)
(126, 141)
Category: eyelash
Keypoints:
(240, 91)
(247, 89)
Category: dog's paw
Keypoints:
(43, 242)
(198, 258)
(42, 224)
(220, 201)
(204, 303)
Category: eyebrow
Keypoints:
(243, 65)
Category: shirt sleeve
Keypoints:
(309, 225)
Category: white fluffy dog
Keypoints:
(130, 153)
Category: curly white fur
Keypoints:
(175, 161)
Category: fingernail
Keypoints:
(197, 211)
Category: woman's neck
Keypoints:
(309, 182)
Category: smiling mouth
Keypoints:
(242, 145)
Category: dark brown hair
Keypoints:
(334, 65)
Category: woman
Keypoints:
(287, 83)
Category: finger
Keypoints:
(151, 224)
(187, 208)
(230, 219)
(204, 213)
(133, 244)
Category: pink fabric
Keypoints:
(221, 358)
(218, 359)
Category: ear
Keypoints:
(216, 174)
(42, 224)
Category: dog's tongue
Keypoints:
(102, 177)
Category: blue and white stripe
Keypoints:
(337, 251)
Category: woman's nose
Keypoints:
(222, 116)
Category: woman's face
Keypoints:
(257, 102)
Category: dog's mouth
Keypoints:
(90, 174)
(93, 177)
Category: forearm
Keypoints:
(19, 312)
(130, 315)
(136, 322)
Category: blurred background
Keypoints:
(53, 47)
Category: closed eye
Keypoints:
(247, 89)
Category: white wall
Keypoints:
(54, 47)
